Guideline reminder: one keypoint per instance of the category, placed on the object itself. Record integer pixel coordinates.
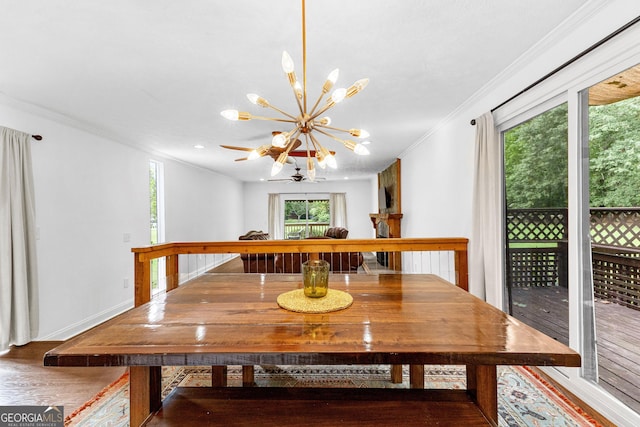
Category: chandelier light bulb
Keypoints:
(338, 95)
(325, 121)
(276, 168)
(297, 87)
(253, 155)
(367, 142)
(361, 150)
(357, 87)
(230, 114)
(359, 133)
(257, 100)
(280, 140)
(331, 161)
(333, 76)
(287, 63)
(311, 171)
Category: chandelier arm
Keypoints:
(316, 104)
(304, 57)
(321, 111)
(316, 126)
(291, 142)
(329, 135)
(282, 112)
(272, 119)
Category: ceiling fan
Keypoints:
(272, 151)
(297, 177)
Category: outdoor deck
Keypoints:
(545, 308)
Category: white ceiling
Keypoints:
(156, 73)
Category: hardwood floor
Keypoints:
(24, 380)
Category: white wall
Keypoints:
(90, 192)
(359, 193)
(437, 172)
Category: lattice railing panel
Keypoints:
(536, 225)
(535, 267)
(616, 227)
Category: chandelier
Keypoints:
(306, 123)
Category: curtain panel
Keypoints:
(18, 269)
(338, 210)
(485, 256)
(276, 231)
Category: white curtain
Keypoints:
(275, 217)
(338, 210)
(18, 272)
(486, 235)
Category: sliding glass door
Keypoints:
(535, 180)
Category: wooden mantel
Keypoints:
(391, 219)
(391, 229)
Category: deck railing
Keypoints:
(172, 251)
(302, 230)
(537, 254)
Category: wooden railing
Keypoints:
(616, 275)
(171, 252)
(297, 230)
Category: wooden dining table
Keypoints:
(221, 320)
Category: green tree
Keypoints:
(535, 154)
(614, 151)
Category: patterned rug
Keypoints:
(524, 399)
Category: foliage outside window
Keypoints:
(306, 218)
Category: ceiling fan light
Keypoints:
(287, 63)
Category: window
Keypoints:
(156, 223)
(305, 218)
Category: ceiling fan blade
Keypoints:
(233, 147)
(303, 153)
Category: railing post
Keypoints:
(462, 269)
(142, 280)
(172, 272)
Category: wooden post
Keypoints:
(482, 383)
(396, 374)
(139, 395)
(172, 272)
(142, 280)
(462, 269)
(218, 376)
(416, 376)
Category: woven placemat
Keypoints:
(296, 301)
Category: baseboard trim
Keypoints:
(86, 324)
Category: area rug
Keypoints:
(524, 399)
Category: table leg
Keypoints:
(416, 376)
(219, 376)
(155, 388)
(482, 383)
(248, 376)
(396, 374)
(139, 394)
